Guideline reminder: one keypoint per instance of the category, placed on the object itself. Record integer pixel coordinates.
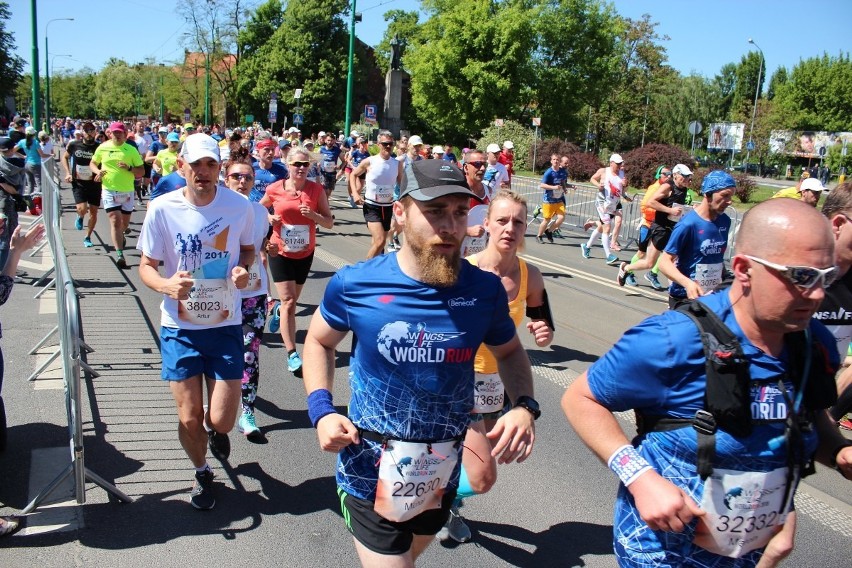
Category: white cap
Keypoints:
(293, 129)
(811, 184)
(616, 158)
(437, 150)
(321, 134)
(198, 146)
(493, 148)
(415, 141)
(682, 170)
(508, 145)
(355, 134)
(163, 129)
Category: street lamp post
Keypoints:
(162, 99)
(754, 110)
(47, 71)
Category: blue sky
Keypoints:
(704, 35)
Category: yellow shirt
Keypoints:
(484, 361)
(791, 192)
(648, 214)
(107, 157)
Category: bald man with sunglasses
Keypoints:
(670, 510)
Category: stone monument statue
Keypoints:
(394, 81)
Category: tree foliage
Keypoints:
(817, 95)
(11, 65)
(520, 135)
(469, 62)
(641, 163)
(115, 90)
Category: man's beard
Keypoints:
(435, 269)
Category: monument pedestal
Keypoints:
(393, 101)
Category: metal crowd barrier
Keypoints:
(70, 348)
(580, 206)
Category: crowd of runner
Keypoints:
(441, 387)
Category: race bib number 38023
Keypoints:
(413, 477)
(210, 302)
(744, 510)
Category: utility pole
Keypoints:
(349, 76)
(36, 115)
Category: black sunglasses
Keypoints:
(300, 164)
(476, 165)
(386, 144)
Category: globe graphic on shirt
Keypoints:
(392, 334)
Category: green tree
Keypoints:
(778, 79)
(11, 65)
(72, 93)
(469, 65)
(115, 88)
(742, 99)
(726, 82)
(677, 101)
(575, 63)
(309, 51)
(817, 95)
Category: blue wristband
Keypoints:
(319, 405)
(627, 464)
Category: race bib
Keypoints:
(255, 283)
(743, 509)
(708, 276)
(329, 167)
(413, 477)
(384, 194)
(488, 393)
(83, 172)
(296, 238)
(210, 302)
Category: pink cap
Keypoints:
(117, 126)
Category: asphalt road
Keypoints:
(276, 502)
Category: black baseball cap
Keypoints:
(426, 180)
(6, 143)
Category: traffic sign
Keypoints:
(370, 114)
(298, 119)
(298, 94)
(536, 121)
(273, 115)
(273, 105)
(249, 118)
(822, 151)
(273, 96)
(498, 122)
(750, 146)
(695, 127)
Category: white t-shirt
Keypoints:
(495, 176)
(204, 241)
(257, 285)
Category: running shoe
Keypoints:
(631, 280)
(549, 236)
(655, 282)
(845, 423)
(621, 278)
(584, 250)
(247, 425)
(87, 242)
(391, 246)
(9, 525)
(78, 224)
(202, 497)
(588, 224)
(612, 259)
(294, 364)
(220, 445)
(121, 263)
(539, 239)
(127, 231)
(558, 234)
(455, 528)
(396, 242)
(275, 320)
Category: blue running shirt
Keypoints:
(411, 370)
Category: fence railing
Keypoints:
(580, 206)
(70, 349)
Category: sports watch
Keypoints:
(530, 404)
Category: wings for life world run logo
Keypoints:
(402, 342)
(747, 499)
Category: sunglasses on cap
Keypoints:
(300, 164)
(476, 164)
(241, 177)
(805, 277)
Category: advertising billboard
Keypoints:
(725, 136)
(806, 143)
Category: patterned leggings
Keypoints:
(254, 320)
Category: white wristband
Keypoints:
(627, 464)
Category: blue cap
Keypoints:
(173, 137)
(717, 180)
